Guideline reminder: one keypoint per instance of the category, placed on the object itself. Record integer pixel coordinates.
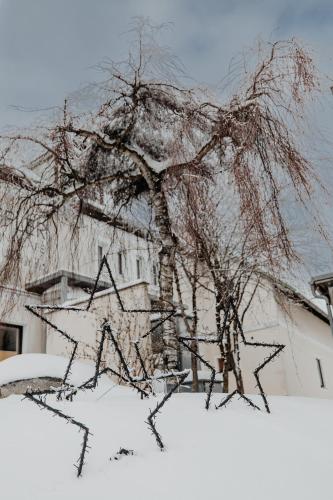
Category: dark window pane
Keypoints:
(138, 269)
(155, 274)
(120, 263)
(8, 337)
(100, 256)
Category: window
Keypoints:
(100, 256)
(138, 268)
(321, 375)
(10, 340)
(155, 275)
(101, 194)
(120, 263)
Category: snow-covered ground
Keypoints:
(235, 453)
(28, 366)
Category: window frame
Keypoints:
(138, 268)
(100, 254)
(121, 263)
(155, 275)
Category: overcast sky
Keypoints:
(48, 47)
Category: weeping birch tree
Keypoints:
(221, 257)
(152, 132)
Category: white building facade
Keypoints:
(304, 368)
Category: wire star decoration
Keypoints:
(187, 342)
(143, 385)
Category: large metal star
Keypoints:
(127, 378)
(39, 396)
(68, 391)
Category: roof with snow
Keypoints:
(299, 298)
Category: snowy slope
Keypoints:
(235, 453)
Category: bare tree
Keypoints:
(213, 234)
(151, 133)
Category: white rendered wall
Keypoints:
(85, 326)
(306, 337)
(14, 312)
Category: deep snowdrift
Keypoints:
(26, 366)
(235, 453)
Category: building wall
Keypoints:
(62, 251)
(12, 311)
(309, 339)
(80, 254)
(86, 326)
(77, 251)
(306, 337)
(295, 372)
